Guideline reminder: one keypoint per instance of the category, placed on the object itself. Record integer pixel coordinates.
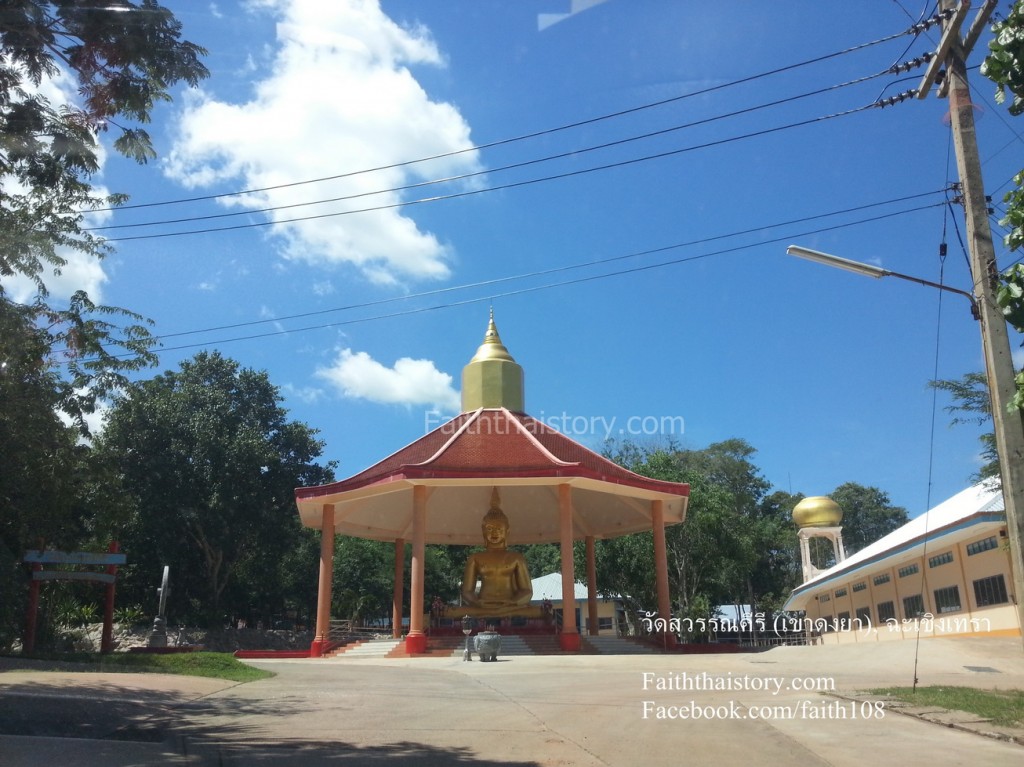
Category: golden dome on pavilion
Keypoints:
(492, 379)
(817, 511)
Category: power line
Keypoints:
(511, 185)
(548, 286)
(527, 136)
(555, 270)
(491, 171)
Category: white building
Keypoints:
(947, 572)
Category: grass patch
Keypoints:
(218, 665)
(1003, 707)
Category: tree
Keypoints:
(40, 461)
(122, 57)
(972, 404)
(207, 461)
(1004, 66)
(713, 553)
(867, 515)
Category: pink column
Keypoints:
(591, 586)
(661, 566)
(416, 640)
(396, 597)
(323, 599)
(569, 639)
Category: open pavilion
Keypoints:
(436, 490)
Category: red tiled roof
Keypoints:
(493, 443)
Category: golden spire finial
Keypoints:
(492, 348)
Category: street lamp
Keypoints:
(1009, 427)
(869, 270)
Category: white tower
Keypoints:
(818, 517)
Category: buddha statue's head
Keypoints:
(495, 524)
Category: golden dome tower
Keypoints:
(492, 379)
(818, 517)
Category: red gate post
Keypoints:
(107, 639)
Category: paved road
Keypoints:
(583, 710)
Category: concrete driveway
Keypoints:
(774, 707)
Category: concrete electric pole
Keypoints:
(1009, 426)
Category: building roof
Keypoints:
(462, 460)
(550, 587)
(977, 505)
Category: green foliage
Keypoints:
(13, 597)
(736, 545)
(205, 461)
(216, 665)
(129, 615)
(867, 515)
(1010, 297)
(542, 558)
(1005, 62)
(363, 575)
(123, 58)
(971, 404)
(1002, 707)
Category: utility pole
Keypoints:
(1009, 426)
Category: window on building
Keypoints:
(940, 559)
(840, 593)
(604, 624)
(990, 591)
(947, 600)
(886, 611)
(843, 622)
(985, 544)
(913, 607)
(824, 598)
(880, 579)
(859, 586)
(908, 570)
(864, 616)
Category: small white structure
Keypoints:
(610, 612)
(946, 572)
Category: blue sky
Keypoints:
(708, 329)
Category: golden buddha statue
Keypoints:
(505, 587)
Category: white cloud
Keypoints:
(307, 394)
(409, 382)
(340, 97)
(322, 288)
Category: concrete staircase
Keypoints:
(612, 645)
(371, 648)
(511, 645)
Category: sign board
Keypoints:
(60, 575)
(73, 558)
